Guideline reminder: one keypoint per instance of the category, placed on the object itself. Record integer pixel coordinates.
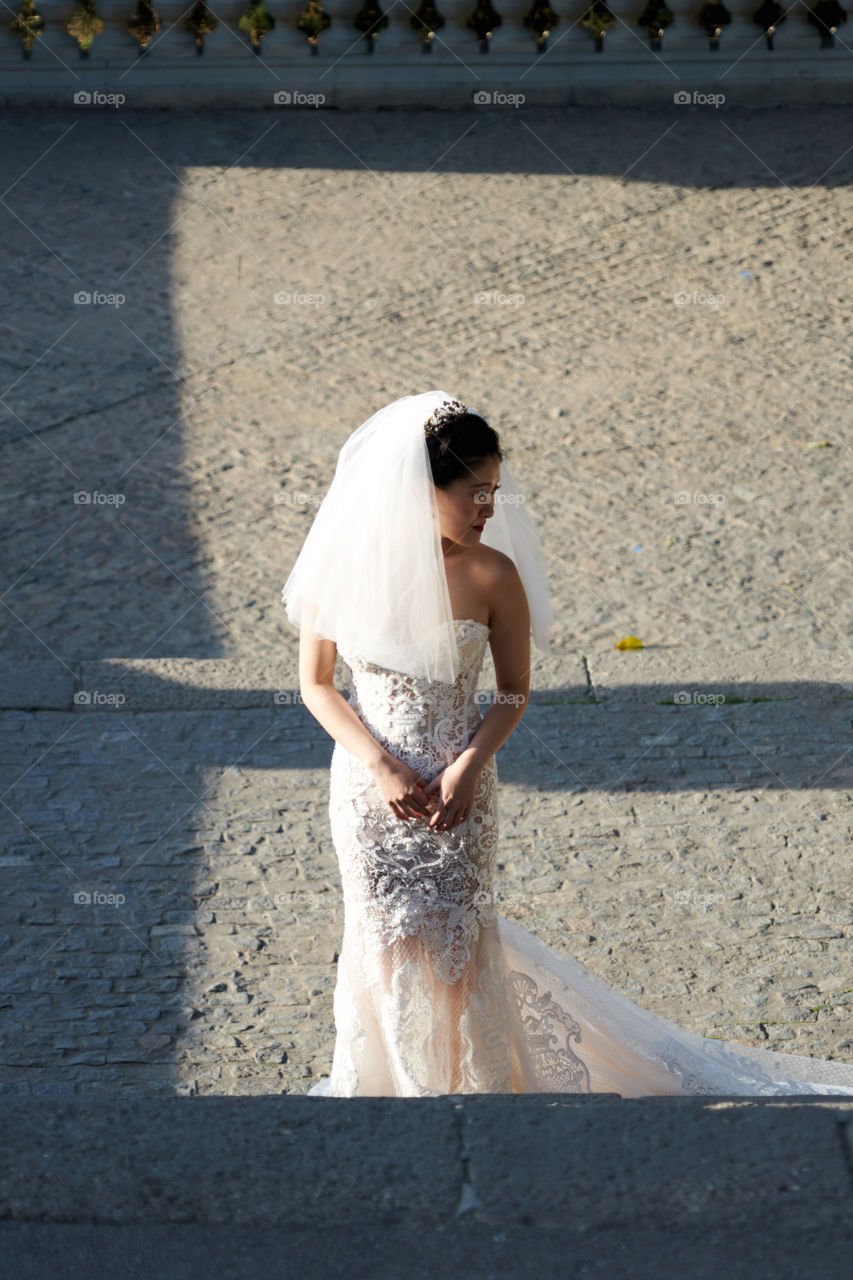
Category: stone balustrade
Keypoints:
(171, 73)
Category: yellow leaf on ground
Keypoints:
(630, 642)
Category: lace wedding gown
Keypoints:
(436, 993)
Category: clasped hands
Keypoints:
(444, 802)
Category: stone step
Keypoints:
(544, 1161)
(699, 678)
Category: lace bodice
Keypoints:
(408, 880)
(426, 723)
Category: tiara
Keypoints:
(446, 412)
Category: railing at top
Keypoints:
(428, 23)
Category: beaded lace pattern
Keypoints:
(438, 994)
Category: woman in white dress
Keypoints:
(421, 555)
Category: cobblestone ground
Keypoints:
(664, 345)
(174, 907)
(688, 459)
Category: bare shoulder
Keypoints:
(485, 584)
(502, 588)
(509, 620)
(494, 564)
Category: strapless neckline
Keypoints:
(475, 621)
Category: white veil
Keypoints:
(371, 570)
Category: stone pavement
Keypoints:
(173, 915)
(653, 308)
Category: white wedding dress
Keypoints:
(436, 993)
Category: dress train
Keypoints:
(438, 994)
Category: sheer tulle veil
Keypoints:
(370, 574)
(437, 993)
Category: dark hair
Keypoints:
(454, 446)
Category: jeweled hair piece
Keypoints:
(446, 412)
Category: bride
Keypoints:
(420, 556)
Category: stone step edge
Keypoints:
(653, 676)
(536, 1160)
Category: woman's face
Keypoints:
(467, 503)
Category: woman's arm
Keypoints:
(317, 688)
(400, 786)
(509, 619)
(510, 644)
